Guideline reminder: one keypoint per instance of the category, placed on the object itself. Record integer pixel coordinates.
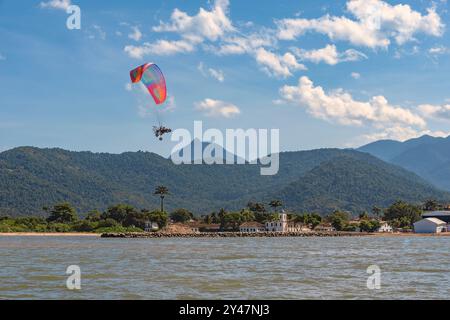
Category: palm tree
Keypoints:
(430, 205)
(275, 204)
(162, 191)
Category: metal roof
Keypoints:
(434, 220)
(436, 213)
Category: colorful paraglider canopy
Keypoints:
(153, 79)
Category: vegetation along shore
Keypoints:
(257, 219)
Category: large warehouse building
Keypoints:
(430, 225)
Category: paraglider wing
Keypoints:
(153, 79)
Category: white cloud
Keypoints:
(355, 75)
(205, 25)
(216, 74)
(217, 108)
(385, 121)
(160, 47)
(376, 23)
(242, 44)
(136, 35)
(329, 55)
(96, 32)
(438, 112)
(56, 4)
(398, 133)
(193, 30)
(2, 57)
(340, 106)
(280, 66)
(439, 50)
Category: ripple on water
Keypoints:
(249, 268)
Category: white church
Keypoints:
(283, 225)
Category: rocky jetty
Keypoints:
(233, 234)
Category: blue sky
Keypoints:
(327, 74)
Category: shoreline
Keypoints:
(210, 235)
(49, 234)
(157, 235)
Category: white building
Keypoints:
(151, 226)
(284, 225)
(385, 227)
(297, 227)
(430, 225)
(280, 225)
(252, 227)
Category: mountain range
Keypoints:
(318, 180)
(428, 157)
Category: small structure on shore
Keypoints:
(203, 227)
(151, 226)
(430, 225)
(325, 227)
(252, 227)
(385, 227)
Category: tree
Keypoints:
(108, 223)
(339, 220)
(162, 191)
(214, 218)
(135, 219)
(207, 219)
(93, 216)
(247, 215)
(256, 207)
(160, 217)
(314, 220)
(118, 212)
(232, 220)
(181, 215)
(369, 225)
(62, 213)
(274, 204)
(84, 226)
(259, 210)
(430, 205)
(311, 219)
(221, 217)
(364, 216)
(377, 212)
(404, 214)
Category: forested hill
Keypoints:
(427, 156)
(319, 180)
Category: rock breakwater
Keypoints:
(233, 234)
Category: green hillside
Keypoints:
(427, 156)
(31, 178)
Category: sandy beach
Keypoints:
(50, 234)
